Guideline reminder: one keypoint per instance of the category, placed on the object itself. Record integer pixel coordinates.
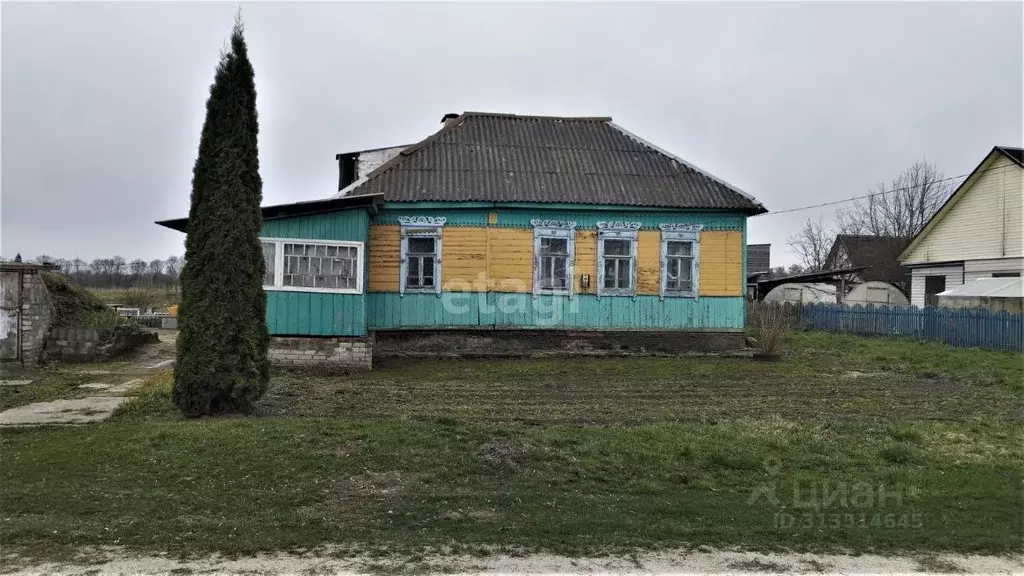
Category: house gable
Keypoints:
(982, 220)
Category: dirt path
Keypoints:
(671, 562)
(109, 385)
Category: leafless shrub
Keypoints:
(769, 323)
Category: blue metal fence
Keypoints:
(961, 328)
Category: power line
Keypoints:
(823, 204)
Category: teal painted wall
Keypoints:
(312, 313)
(341, 225)
(387, 310)
(520, 217)
(316, 314)
(324, 314)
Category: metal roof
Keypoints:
(485, 157)
(296, 209)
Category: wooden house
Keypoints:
(504, 234)
(978, 233)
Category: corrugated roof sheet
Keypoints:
(481, 157)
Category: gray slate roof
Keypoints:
(484, 157)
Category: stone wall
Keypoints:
(35, 318)
(74, 345)
(541, 343)
(327, 352)
(25, 333)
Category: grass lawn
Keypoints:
(847, 444)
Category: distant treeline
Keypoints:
(116, 272)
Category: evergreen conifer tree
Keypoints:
(222, 363)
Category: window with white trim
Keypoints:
(554, 256)
(313, 265)
(616, 258)
(421, 254)
(680, 260)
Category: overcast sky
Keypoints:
(797, 104)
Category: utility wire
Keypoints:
(883, 192)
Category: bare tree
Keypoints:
(173, 266)
(812, 245)
(901, 209)
(156, 268)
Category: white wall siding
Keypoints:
(974, 269)
(985, 222)
(954, 277)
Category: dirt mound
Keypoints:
(74, 306)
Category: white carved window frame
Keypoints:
(617, 231)
(420, 227)
(279, 264)
(681, 233)
(561, 229)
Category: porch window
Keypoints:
(680, 259)
(554, 251)
(313, 266)
(616, 256)
(421, 254)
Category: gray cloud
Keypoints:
(796, 103)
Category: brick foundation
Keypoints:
(323, 352)
(527, 343)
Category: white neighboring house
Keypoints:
(977, 233)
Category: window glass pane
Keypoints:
(609, 273)
(554, 246)
(680, 248)
(421, 245)
(679, 273)
(623, 274)
(269, 259)
(412, 276)
(428, 270)
(672, 271)
(545, 271)
(685, 269)
(559, 266)
(616, 247)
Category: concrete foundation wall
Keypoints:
(326, 352)
(527, 343)
(25, 318)
(75, 345)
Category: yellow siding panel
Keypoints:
(510, 266)
(721, 263)
(586, 260)
(384, 252)
(502, 260)
(648, 262)
(464, 259)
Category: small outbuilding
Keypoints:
(876, 293)
(993, 294)
(802, 293)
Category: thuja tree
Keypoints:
(222, 361)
